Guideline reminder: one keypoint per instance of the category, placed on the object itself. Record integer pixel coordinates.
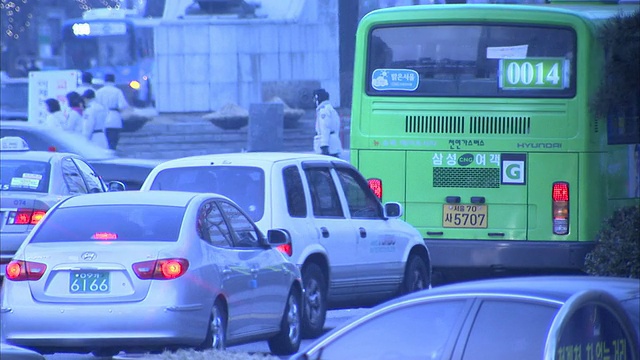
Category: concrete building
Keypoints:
(287, 49)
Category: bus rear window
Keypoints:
(472, 61)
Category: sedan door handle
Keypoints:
(325, 232)
(363, 232)
(226, 271)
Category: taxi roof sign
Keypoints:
(13, 143)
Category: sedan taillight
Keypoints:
(19, 270)
(25, 216)
(162, 269)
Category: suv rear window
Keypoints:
(111, 223)
(24, 175)
(242, 184)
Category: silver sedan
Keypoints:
(33, 181)
(149, 271)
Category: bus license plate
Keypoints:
(464, 216)
(83, 282)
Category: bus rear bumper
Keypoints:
(467, 259)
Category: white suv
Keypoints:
(352, 250)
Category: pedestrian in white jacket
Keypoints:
(74, 117)
(327, 139)
(55, 119)
(94, 117)
(112, 98)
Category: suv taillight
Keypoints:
(19, 270)
(376, 186)
(162, 269)
(560, 214)
(285, 249)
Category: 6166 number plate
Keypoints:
(464, 216)
(89, 282)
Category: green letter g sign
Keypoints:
(513, 172)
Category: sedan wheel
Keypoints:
(315, 301)
(216, 330)
(287, 342)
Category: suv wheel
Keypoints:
(416, 275)
(315, 301)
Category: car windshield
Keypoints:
(24, 175)
(242, 184)
(632, 307)
(111, 223)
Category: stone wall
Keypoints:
(204, 62)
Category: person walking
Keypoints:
(87, 83)
(112, 98)
(74, 118)
(327, 139)
(94, 117)
(55, 119)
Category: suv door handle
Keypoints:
(363, 232)
(325, 232)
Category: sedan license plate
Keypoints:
(464, 216)
(83, 282)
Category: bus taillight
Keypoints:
(560, 197)
(376, 186)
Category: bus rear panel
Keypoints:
(476, 118)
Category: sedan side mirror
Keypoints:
(278, 237)
(116, 186)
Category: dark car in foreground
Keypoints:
(131, 172)
(551, 317)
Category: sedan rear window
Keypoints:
(242, 184)
(111, 223)
(24, 175)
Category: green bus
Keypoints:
(477, 119)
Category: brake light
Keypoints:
(19, 270)
(104, 236)
(285, 249)
(162, 269)
(52, 149)
(37, 216)
(376, 186)
(560, 207)
(25, 217)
